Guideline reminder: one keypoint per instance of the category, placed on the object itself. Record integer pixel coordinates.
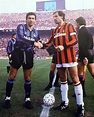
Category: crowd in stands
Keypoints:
(44, 22)
(3, 44)
(44, 18)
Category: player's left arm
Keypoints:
(72, 38)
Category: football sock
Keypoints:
(57, 78)
(82, 82)
(64, 92)
(27, 87)
(9, 86)
(80, 77)
(79, 93)
(51, 76)
(8, 69)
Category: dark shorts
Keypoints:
(89, 60)
(54, 59)
(21, 58)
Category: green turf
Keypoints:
(39, 80)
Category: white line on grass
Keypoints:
(46, 109)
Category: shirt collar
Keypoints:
(81, 26)
(26, 26)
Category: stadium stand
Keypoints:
(9, 22)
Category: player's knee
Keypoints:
(12, 76)
(52, 70)
(75, 78)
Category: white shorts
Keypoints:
(72, 64)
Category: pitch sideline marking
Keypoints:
(46, 109)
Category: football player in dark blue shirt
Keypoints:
(27, 37)
(10, 48)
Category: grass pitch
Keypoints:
(39, 79)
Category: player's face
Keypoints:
(57, 19)
(77, 25)
(30, 20)
(14, 36)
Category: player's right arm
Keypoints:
(22, 35)
(9, 49)
(49, 43)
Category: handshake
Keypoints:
(50, 49)
(38, 44)
(53, 50)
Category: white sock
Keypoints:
(64, 92)
(79, 94)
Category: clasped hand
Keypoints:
(59, 48)
(38, 44)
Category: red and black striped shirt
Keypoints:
(66, 36)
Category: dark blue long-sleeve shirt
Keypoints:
(10, 46)
(26, 38)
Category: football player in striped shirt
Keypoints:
(64, 38)
(27, 37)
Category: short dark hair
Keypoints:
(81, 21)
(30, 13)
(13, 34)
(60, 13)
